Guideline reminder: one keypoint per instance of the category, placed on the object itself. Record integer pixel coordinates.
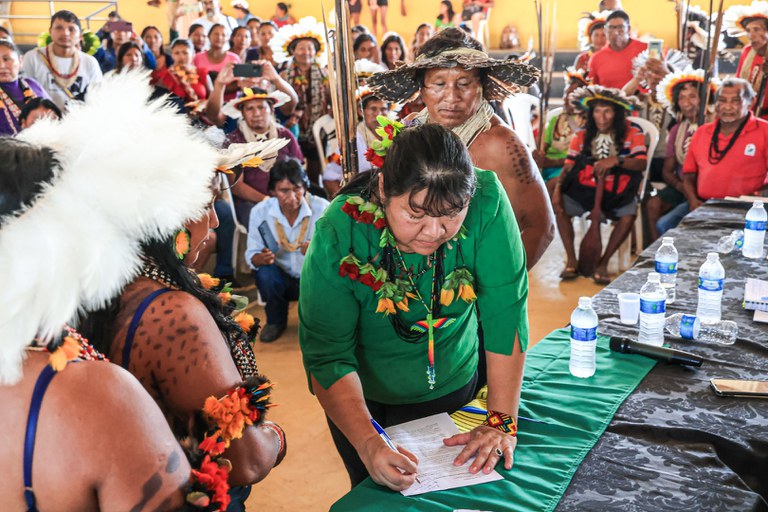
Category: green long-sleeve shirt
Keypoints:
(340, 332)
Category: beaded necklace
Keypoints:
(430, 323)
(155, 273)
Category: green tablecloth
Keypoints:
(577, 412)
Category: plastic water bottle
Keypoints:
(754, 231)
(583, 339)
(730, 242)
(689, 327)
(666, 265)
(711, 278)
(653, 300)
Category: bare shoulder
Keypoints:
(500, 149)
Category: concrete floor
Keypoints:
(312, 477)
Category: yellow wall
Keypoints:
(648, 16)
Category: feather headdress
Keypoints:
(583, 96)
(503, 77)
(140, 176)
(589, 22)
(285, 40)
(579, 75)
(665, 89)
(673, 61)
(234, 107)
(736, 17)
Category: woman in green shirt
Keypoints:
(403, 266)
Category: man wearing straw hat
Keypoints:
(456, 78)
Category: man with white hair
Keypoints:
(213, 15)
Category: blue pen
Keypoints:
(386, 438)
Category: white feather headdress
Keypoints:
(130, 170)
(284, 40)
(665, 89)
(736, 17)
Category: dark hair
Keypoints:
(428, 157)
(289, 169)
(595, 26)
(194, 27)
(392, 38)
(283, 6)
(7, 33)
(254, 19)
(214, 27)
(124, 48)
(268, 23)
(617, 14)
(10, 45)
(451, 12)
(448, 39)
(67, 16)
(34, 104)
(234, 32)
(360, 28)
(371, 97)
(183, 42)
(619, 126)
(24, 170)
(360, 39)
(152, 27)
(677, 89)
(113, 14)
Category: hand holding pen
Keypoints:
(387, 464)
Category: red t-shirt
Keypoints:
(610, 68)
(742, 171)
(750, 64)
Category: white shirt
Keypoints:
(267, 211)
(88, 73)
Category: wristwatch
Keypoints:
(621, 160)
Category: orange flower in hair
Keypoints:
(207, 281)
(246, 321)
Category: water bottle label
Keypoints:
(582, 334)
(666, 268)
(686, 326)
(739, 243)
(652, 306)
(711, 285)
(755, 225)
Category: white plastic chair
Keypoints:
(651, 141)
(519, 108)
(324, 129)
(551, 114)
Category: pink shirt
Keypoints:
(201, 61)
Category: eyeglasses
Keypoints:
(617, 28)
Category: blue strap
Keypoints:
(135, 324)
(29, 438)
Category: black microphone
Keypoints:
(667, 355)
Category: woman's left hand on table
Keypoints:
(482, 443)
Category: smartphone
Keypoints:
(267, 237)
(655, 49)
(740, 388)
(120, 26)
(247, 70)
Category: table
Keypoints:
(671, 444)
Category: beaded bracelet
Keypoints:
(281, 445)
(501, 421)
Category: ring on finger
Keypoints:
(498, 452)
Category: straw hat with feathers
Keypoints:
(501, 77)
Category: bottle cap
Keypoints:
(585, 302)
(757, 204)
(654, 276)
(713, 256)
(667, 240)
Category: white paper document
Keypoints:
(424, 437)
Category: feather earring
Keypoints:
(182, 243)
